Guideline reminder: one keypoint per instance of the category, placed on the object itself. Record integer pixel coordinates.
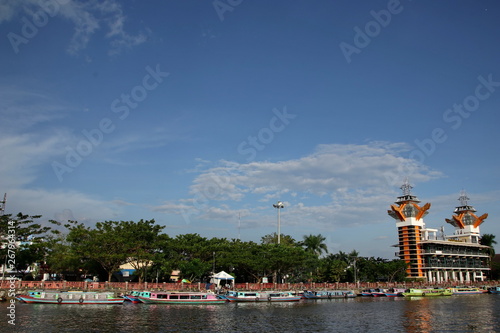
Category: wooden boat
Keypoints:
(329, 294)
(467, 290)
(367, 292)
(283, 296)
(427, 292)
(494, 290)
(272, 296)
(378, 292)
(70, 297)
(180, 298)
(395, 292)
(134, 296)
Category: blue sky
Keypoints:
(202, 114)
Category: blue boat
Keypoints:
(329, 294)
(134, 296)
(70, 297)
(252, 296)
(494, 290)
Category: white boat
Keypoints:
(329, 294)
(467, 290)
(70, 297)
(159, 297)
(251, 296)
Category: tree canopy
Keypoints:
(104, 248)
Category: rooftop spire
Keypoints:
(406, 187)
(463, 198)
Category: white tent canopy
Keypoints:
(222, 278)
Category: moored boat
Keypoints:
(467, 290)
(378, 292)
(244, 296)
(494, 290)
(367, 292)
(427, 292)
(70, 297)
(252, 296)
(134, 296)
(395, 292)
(329, 294)
(283, 296)
(180, 298)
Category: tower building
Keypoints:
(439, 258)
(409, 220)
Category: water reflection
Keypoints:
(455, 313)
(469, 313)
(417, 315)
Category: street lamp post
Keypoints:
(279, 205)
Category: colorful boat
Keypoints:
(134, 296)
(251, 296)
(368, 292)
(159, 297)
(395, 292)
(244, 296)
(467, 290)
(329, 294)
(283, 296)
(494, 290)
(413, 292)
(70, 297)
(378, 292)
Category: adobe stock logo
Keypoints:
(373, 28)
(39, 19)
(222, 6)
(120, 106)
(454, 116)
(265, 136)
(220, 181)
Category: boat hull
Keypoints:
(60, 300)
(467, 291)
(262, 297)
(427, 293)
(329, 294)
(181, 301)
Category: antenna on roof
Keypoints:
(406, 187)
(463, 198)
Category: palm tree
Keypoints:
(489, 240)
(315, 244)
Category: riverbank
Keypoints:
(7, 285)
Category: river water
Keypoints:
(464, 313)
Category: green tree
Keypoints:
(144, 240)
(194, 269)
(332, 269)
(104, 244)
(27, 241)
(314, 244)
(247, 260)
(273, 239)
(489, 240)
(395, 270)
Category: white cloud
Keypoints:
(337, 185)
(331, 169)
(86, 17)
(71, 205)
(23, 154)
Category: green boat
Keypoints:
(427, 292)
